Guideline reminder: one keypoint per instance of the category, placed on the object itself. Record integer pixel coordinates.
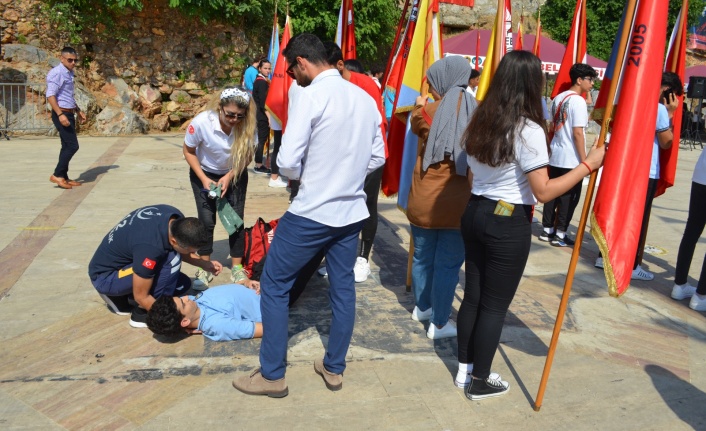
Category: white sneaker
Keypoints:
(278, 183)
(446, 331)
(203, 278)
(361, 270)
(599, 262)
(322, 271)
(682, 292)
(640, 274)
(698, 302)
(420, 315)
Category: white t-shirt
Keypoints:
(472, 91)
(700, 170)
(509, 181)
(211, 143)
(573, 114)
(662, 126)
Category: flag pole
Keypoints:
(395, 48)
(677, 40)
(427, 62)
(429, 33)
(630, 9)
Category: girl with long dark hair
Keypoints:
(508, 155)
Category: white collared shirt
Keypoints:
(332, 142)
(212, 144)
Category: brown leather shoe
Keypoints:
(60, 182)
(73, 183)
(255, 384)
(333, 381)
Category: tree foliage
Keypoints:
(603, 20)
(374, 19)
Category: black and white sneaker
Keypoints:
(261, 170)
(490, 387)
(546, 237)
(117, 304)
(138, 318)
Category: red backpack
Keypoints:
(257, 243)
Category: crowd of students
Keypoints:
(480, 170)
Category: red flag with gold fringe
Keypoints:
(616, 217)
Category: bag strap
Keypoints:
(558, 109)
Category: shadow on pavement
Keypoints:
(685, 400)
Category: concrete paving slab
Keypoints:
(634, 363)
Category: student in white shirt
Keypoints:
(218, 146)
(333, 140)
(507, 155)
(473, 82)
(568, 148)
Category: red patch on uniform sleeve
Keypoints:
(191, 129)
(149, 263)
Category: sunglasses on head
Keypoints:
(232, 115)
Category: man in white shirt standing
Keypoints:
(570, 118)
(332, 142)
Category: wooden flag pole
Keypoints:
(429, 33)
(626, 30)
(677, 40)
(408, 285)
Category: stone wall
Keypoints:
(156, 61)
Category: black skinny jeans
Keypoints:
(207, 211)
(497, 248)
(694, 228)
(69, 143)
(560, 211)
(263, 133)
(277, 135)
(371, 188)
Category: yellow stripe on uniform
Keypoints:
(124, 272)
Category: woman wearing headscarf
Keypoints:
(439, 193)
(508, 155)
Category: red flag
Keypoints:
(277, 97)
(345, 31)
(575, 49)
(396, 131)
(477, 66)
(676, 62)
(617, 212)
(520, 42)
(538, 35)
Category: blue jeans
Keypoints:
(296, 242)
(438, 255)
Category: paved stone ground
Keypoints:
(634, 363)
